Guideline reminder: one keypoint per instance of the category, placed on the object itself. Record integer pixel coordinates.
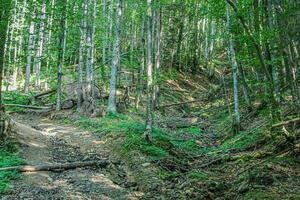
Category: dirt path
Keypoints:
(45, 141)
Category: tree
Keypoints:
(232, 57)
(112, 107)
(31, 43)
(61, 53)
(149, 119)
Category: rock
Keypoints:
(146, 164)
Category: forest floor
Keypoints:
(44, 141)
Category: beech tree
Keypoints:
(112, 107)
(61, 53)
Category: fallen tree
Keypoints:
(27, 106)
(284, 123)
(56, 167)
(48, 92)
(67, 104)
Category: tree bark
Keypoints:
(234, 64)
(112, 108)
(40, 46)
(149, 120)
(61, 55)
(4, 17)
(30, 50)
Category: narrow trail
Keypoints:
(45, 141)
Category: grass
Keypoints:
(8, 158)
(164, 143)
(132, 130)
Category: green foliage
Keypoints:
(8, 158)
(133, 130)
(15, 98)
(189, 145)
(193, 130)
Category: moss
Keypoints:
(197, 175)
(193, 130)
(244, 140)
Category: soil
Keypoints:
(46, 141)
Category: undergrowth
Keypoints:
(179, 156)
(8, 157)
(14, 98)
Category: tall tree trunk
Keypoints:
(112, 108)
(40, 46)
(30, 50)
(149, 120)
(234, 64)
(61, 53)
(159, 34)
(20, 41)
(89, 42)
(104, 14)
(49, 36)
(140, 85)
(81, 56)
(4, 18)
(13, 26)
(268, 5)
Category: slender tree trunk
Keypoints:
(142, 67)
(269, 48)
(8, 51)
(30, 50)
(112, 108)
(234, 64)
(149, 120)
(4, 18)
(105, 30)
(49, 36)
(81, 57)
(40, 46)
(12, 40)
(159, 35)
(89, 48)
(61, 55)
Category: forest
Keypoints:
(149, 99)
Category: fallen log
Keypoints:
(55, 167)
(48, 92)
(27, 106)
(286, 122)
